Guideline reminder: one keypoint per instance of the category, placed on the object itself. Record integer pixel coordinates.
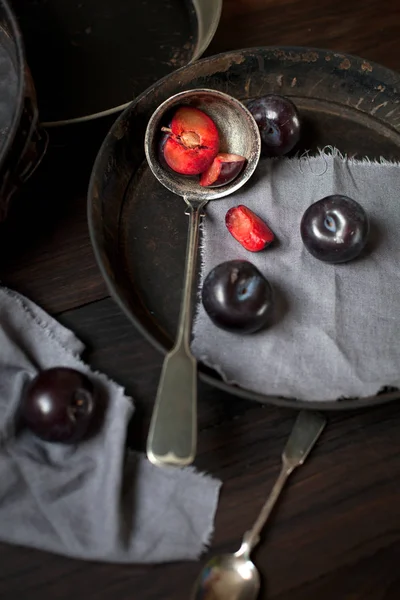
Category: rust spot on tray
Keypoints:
(237, 59)
(222, 64)
(378, 107)
(119, 130)
(366, 66)
(345, 64)
(310, 56)
(297, 56)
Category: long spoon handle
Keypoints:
(172, 436)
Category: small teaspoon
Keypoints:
(234, 576)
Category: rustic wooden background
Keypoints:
(335, 535)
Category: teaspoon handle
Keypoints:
(172, 436)
(306, 431)
(252, 537)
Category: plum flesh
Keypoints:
(248, 228)
(191, 142)
(224, 169)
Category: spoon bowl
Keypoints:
(238, 134)
(228, 577)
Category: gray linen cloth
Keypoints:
(338, 327)
(94, 500)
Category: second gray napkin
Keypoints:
(93, 500)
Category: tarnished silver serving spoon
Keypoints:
(234, 576)
(172, 437)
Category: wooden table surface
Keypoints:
(336, 533)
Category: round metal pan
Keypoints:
(138, 229)
(90, 58)
(22, 140)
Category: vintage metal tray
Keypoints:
(90, 58)
(138, 229)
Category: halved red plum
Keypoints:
(192, 141)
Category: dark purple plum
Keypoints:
(335, 229)
(193, 141)
(58, 405)
(278, 121)
(237, 297)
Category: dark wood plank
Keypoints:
(366, 28)
(334, 535)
